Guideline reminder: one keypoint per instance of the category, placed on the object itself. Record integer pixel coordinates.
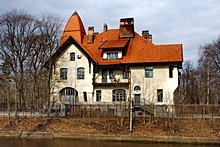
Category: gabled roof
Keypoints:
(66, 44)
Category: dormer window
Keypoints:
(112, 55)
(113, 49)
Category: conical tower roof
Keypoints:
(75, 28)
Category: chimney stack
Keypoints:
(150, 38)
(90, 35)
(126, 28)
(105, 27)
(147, 36)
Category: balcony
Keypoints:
(117, 82)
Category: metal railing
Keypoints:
(122, 109)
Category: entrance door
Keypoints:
(137, 99)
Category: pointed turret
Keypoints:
(74, 28)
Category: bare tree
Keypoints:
(17, 40)
(50, 30)
(209, 67)
(27, 42)
(188, 85)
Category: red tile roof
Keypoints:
(136, 50)
(156, 53)
(74, 28)
(113, 44)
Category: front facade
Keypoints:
(116, 65)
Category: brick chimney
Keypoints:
(150, 38)
(90, 35)
(105, 27)
(147, 36)
(126, 28)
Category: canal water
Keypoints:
(17, 142)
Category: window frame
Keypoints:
(119, 95)
(80, 73)
(149, 71)
(137, 88)
(112, 56)
(72, 56)
(111, 73)
(85, 96)
(63, 73)
(98, 95)
(159, 95)
(125, 74)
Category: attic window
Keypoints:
(72, 56)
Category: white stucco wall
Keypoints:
(81, 85)
(149, 86)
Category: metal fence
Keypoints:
(122, 110)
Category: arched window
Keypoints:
(68, 95)
(137, 88)
(118, 95)
(80, 73)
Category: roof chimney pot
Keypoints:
(90, 35)
(126, 28)
(105, 27)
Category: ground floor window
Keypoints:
(98, 95)
(159, 95)
(118, 95)
(68, 95)
(85, 96)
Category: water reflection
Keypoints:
(12, 142)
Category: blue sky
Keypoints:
(189, 22)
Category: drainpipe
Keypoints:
(130, 101)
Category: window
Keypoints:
(68, 95)
(159, 95)
(104, 75)
(148, 72)
(111, 74)
(125, 74)
(85, 96)
(72, 56)
(112, 56)
(63, 73)
(80, 73)
(137, 88)
(171, 71)
(118, 95)
(67, 91)
(98, 95)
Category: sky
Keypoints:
(192, 23)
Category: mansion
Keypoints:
(113, 66)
